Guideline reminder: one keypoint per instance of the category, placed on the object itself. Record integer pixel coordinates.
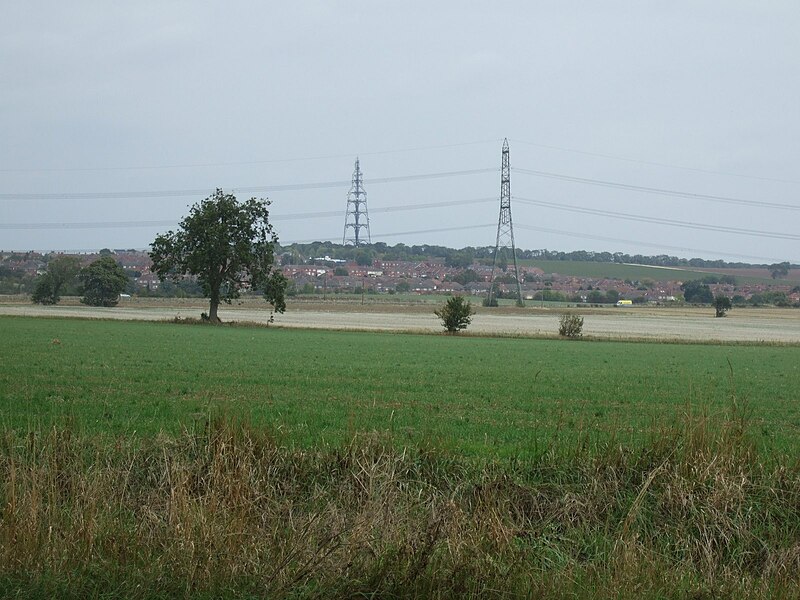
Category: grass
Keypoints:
(230, 512)
(482, 397)
(152, 460)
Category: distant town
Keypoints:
(323, 269)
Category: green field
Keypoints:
(479, 396)
(162, 460)
(632, 272)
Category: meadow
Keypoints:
(161, 460)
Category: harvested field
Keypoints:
(679, 324)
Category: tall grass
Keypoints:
(229, 511)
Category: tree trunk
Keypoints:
(212, 311)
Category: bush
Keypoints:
(43, 293)
(456, 314)
(570, 326)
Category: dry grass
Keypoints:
(231, 512)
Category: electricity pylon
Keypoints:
(356, 217)
(505, 228)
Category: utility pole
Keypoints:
(356, 217)
(505, 228)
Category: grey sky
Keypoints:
(127, 98)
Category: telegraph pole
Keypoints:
(505, 228)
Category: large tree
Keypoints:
(228, 246)
(60, 272)
(697, 292)
(779, 270)
(103, 281)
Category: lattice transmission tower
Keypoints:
(356, 217)
(505, 231)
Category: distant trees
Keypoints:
(696, 292)
(60, 271)
(722, 304)
(456, 314)
(464, 277)
(103, 281)
(779, 270)
(228, 245)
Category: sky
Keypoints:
(648, 127)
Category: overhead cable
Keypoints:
(660, 221)
(657, 164)
(238, 190)
(244, 162)
(273, 217)
(602, 238)
(659, 191)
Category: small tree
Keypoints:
(103, 281)
(722, 304)
(43, 292)
(229, 246)
(456, 314)
(570, 326)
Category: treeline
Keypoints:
(463, 257)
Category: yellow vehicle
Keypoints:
(624, 303)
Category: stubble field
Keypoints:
(681, 324)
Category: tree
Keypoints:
(103, 280)
(456, 314)
(228, 246)
(43, 290)
(779, 270)
(722, 304)
(696, 292)
(60, 272)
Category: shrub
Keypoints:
(570, 326)
(456, 314)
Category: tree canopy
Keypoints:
(779, 270)
(60, 271)
(456, 314)
(722, 304)
(103, 281)
(696, 292)
(228, 245)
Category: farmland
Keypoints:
(479, 396)
(604, 270)
(156, 459)
(685, 324)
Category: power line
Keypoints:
(273, 217)
(659, 191)
(660, 221)
(246, 162)
(602, 238)
(399, 233)
(240, 190)
(657, 164)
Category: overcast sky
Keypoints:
(179, 98)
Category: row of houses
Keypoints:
(421, 277)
